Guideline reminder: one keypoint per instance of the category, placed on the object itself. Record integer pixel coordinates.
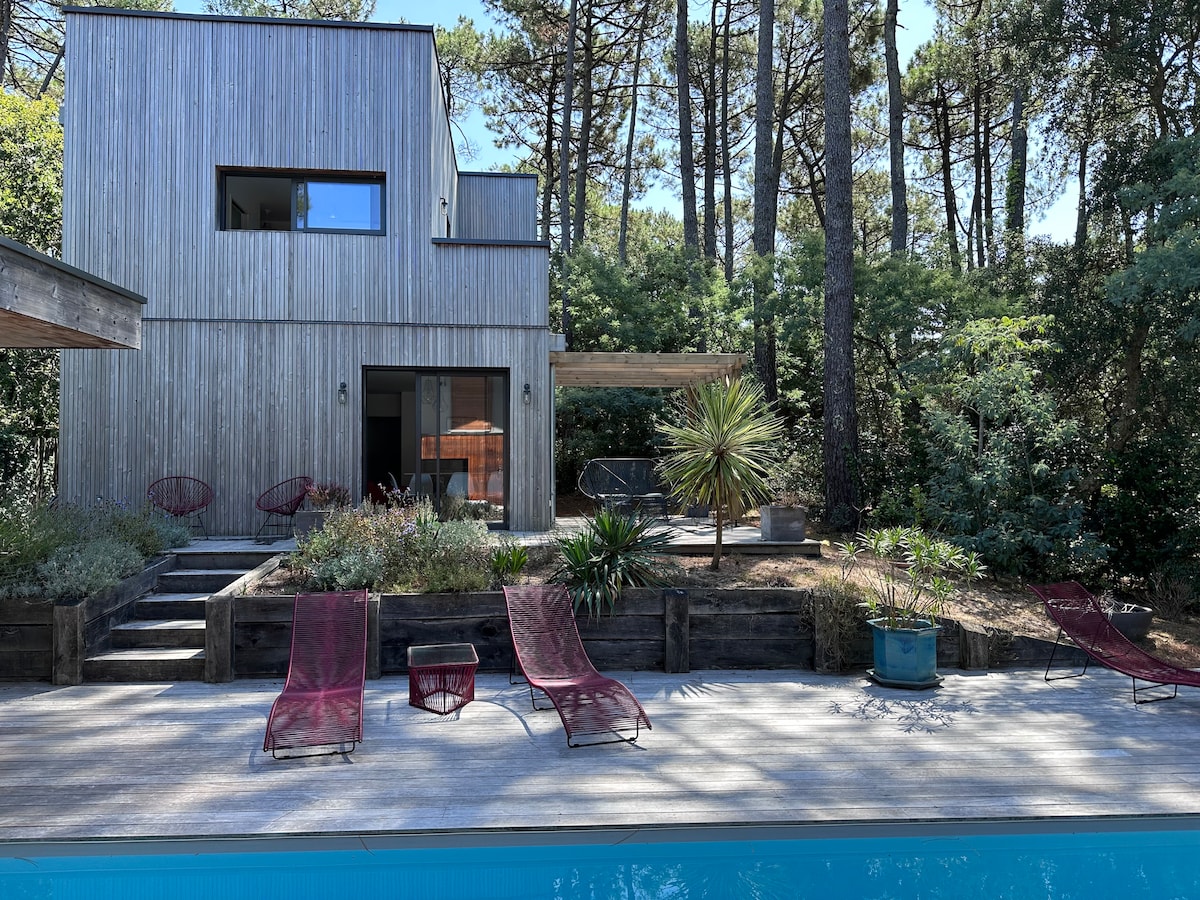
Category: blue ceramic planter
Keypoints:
(905, 657)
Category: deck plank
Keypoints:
(147, 760)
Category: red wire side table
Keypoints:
(441, 677)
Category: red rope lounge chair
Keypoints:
(552, 659)
(322, 699)
(182, 497)
(280, 503)
(1080, 616)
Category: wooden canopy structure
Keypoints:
(46, 303)
(660, 370)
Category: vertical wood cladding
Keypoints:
(247, 334)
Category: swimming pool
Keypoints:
(1151, 858)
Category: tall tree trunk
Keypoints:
(564, 200)
(989, 210)
(586, 110)
(726, 161)
(687, 162)
(977, 163)
(549, 152)
(1081, 215)
(895, 130)
(766, 200)
(1014, 198)
(627, 177)
(944, 139)
(840, 439)
(710, 141)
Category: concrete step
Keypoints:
(147, 633)
(206, 580)
(146, 664)
(243, 560)
(184, 605)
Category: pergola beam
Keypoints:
(651, 370)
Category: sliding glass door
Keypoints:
(439, 434)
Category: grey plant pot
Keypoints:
(782, 523)
(1132, 620)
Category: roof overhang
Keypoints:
(651, 370)
(46, 303)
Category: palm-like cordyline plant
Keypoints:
(720, 451)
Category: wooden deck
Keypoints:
(163, 760)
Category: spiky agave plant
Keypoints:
(614, 551)
(720, 449)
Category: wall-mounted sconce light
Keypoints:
(526, 396)
(342, 392)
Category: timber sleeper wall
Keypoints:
(651, 629)
(48, 641)
(664, 630)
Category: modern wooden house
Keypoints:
(327, 294)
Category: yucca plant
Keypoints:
(615, 550)
(913, 580)
(720, 449)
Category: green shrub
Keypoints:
(87, 569)
(396, 549)
(508, 560)
(54, 552)
(616, 550)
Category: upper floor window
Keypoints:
(297, 201)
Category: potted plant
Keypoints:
(908, 584)
(1131, 619)
(323, 498)
(784, 518)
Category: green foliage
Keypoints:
(54, 552)
(396, 549)
(31, 148)
(31, 143)
(996, 447)
(720, 449)
(508, 561)
(615, 550)
(913, 579)
(87, 569)
(592, 422)
(667, 303)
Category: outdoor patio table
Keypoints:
(441, 677)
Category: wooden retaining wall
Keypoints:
(48, 641)
(652, 629)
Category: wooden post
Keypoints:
(973, 647)
(68, 642)
(374, 668)
(218, 639)
(677, 631)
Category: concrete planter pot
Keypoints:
(782, 523)
(905, 657)
(1131, 620)
(307, 521)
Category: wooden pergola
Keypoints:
(654, 370)
(46, 303)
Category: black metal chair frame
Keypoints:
(627, 484)
(283, 514)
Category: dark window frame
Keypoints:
(298, 177)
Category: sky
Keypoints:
(916, 21)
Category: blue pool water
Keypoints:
(1156, 863)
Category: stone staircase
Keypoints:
(163, 640)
